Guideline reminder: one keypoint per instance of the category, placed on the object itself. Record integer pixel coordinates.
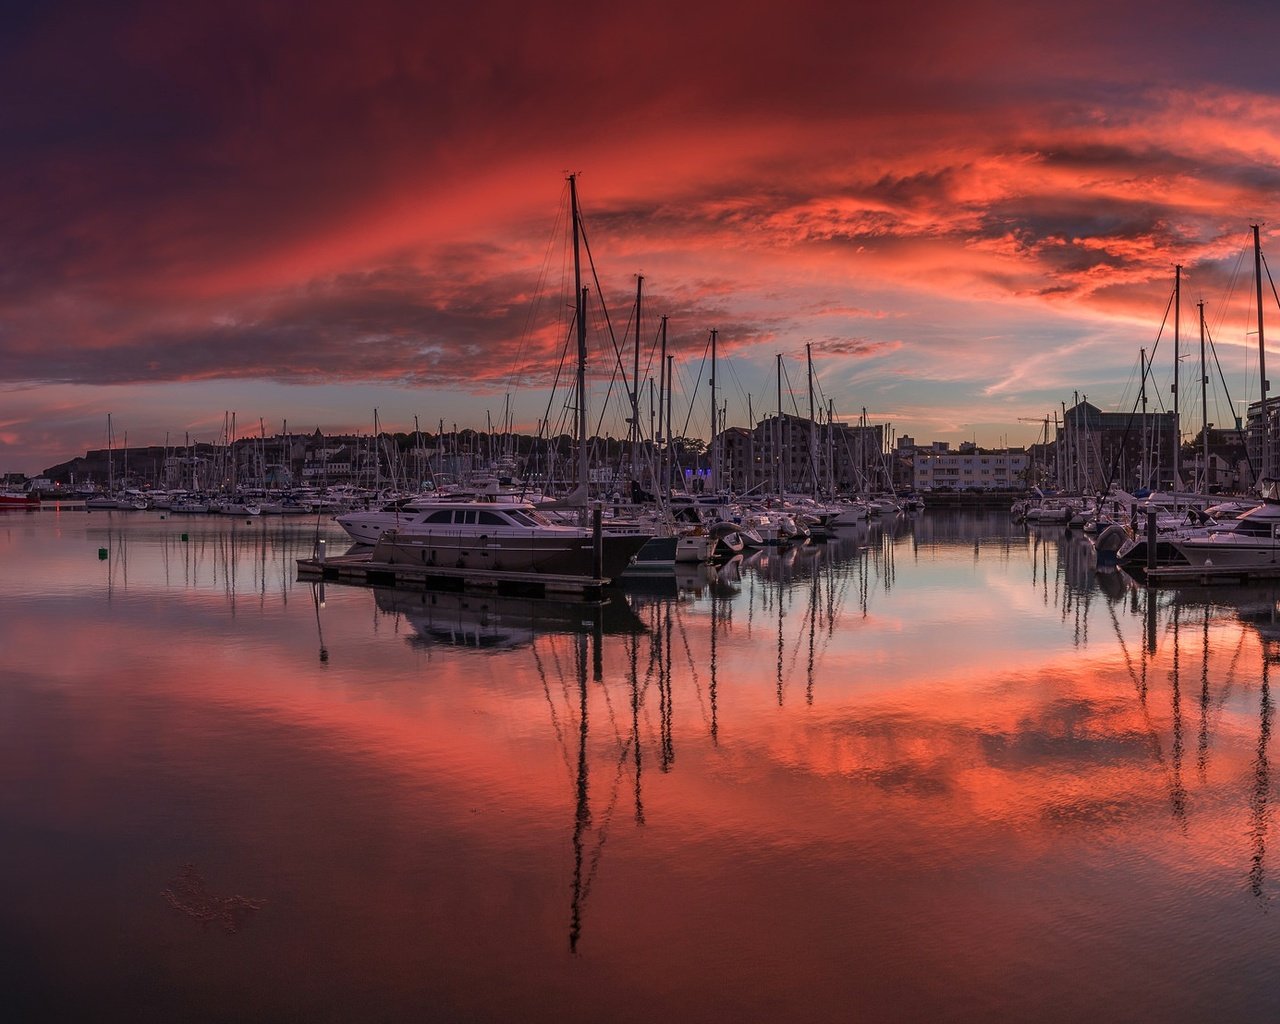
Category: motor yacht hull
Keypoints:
(560, 554)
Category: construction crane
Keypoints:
(1042, 420)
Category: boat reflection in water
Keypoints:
(491, 623)
(487, 622)
(933, 769)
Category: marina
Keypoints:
(936, 767)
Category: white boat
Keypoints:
(365, 526)
(116, 502)
(1051, 511)
(883, 506)
(501, 536)
(1250, 541)
(234, 507)
(1190, 524)
(851, 513)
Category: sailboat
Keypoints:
(517, 536)
(113, 500)
(1252, 540)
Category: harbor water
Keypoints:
(938, 768)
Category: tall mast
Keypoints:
(1177, 358)
(1059, 451)
(1146, 475)
(1066, 477)
(715, 413)
(831, 456)
(864, 447)
(581, 294)
(1204, 402)
(664, 425)
(635, 387)
(1077, 484)
(653, 433)
(777, 451)
(377, 448)
(671, 370)
(417, 456)
(1262, 358)
(813, 425)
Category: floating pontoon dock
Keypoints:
(359, 568)
(1208, 575)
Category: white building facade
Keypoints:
(970, 469)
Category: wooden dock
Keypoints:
(1210, 575)
(361, 569)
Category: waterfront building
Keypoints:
(1253, 438)
(969, 468)
(791, 453)
(1093, 449)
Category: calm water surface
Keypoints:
(936, 770)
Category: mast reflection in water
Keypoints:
(934, 768)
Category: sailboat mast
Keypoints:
(863, 445)
(715, 413)
(1076, 486)
(581, 294)
(813, 425)
(1262, 358)
(653, 433)
(1204, 403)
(831, 451)
(1059, 451)
(778, 447)
(417, 456)
(1177, 358)
(1146, 475)
(664, 419)
(635, 387)
(671, 370)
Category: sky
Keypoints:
(311, 214)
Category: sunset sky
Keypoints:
(306, 212)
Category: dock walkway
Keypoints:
(1208, 575)
(360, 568)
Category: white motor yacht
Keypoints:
(503, 536)
(1250, 541)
